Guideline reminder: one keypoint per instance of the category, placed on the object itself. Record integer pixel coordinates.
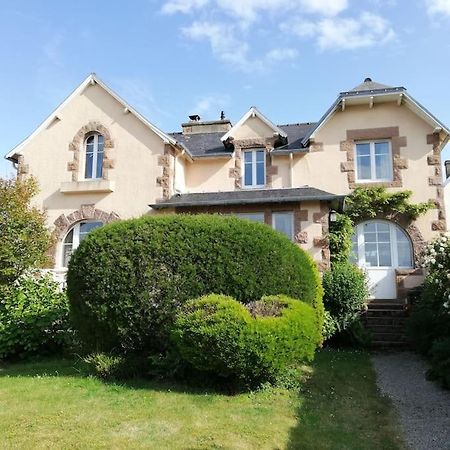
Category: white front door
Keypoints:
(380, 247)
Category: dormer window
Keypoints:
(254, 168)
(94, 145)
(373, 161)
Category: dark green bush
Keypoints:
(116, 367)
(345, 293)
(33, 318)
(440, 361)
(217, 334)
(126, 280)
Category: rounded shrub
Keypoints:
(252, 344)
(127, 279)
(345, 293)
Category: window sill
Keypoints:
(89, 187)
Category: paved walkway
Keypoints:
(423, 407)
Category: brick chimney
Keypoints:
(196, 125)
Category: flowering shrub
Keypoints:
(429, 324)
(437, 262)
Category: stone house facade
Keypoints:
(98, 160)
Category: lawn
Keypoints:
(51, 404)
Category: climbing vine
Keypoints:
(370, 203)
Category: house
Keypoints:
(98, 160)
(447, 190)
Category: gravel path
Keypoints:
(423, 407)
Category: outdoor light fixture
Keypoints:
(333, 215)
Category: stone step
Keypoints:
(387, 344)
(382, 312)
(382, 305)
(389, 337)
(384, 320)
(377, 329)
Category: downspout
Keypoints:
(291, 169)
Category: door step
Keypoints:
(386, 321)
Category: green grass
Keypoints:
(50, 404)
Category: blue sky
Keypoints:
(177, 57)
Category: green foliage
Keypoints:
(356, 335)
(33, 318)
(24, 239)
(345, 293)
(329, 328)
(126, 280)
(340, 238)
(111, 367)
(217, 334)
(369, 203)
(428, 327)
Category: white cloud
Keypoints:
(183, 6)
(345, 33)
(281, 54)
(210, 105)
(222, 40)
(435, 7)
(248, 11)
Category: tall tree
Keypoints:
(24, 238)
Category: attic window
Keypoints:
(254, 168)
(94, 145)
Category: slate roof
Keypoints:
(204, 145)
(296, 132)
(246, 197)
(369, 86)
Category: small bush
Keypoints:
(440, 361)
(126, 280)
(345, 294)
(112, 367)
(33, 318)
(217, 334)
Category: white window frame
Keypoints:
(361, 256)
(291, 214)
(95, 158)
(254, 185)
(76, 238)
(373, 171)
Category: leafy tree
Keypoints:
(24, 238)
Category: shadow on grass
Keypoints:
(75, 367)
(340, 406)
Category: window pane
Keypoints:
(87, 227)
(67, 253)
(381, 148)
(248, 177)
(370, 227)
(382, 227)
(283, 223)
(363, 149)
(370, 251)
(89, 162)
(248, 157)
(260, 156)
(69, 237)
(363, 161)
(99, 171)
(383, 165)
(260, 175)
(100, 143)
(403, 249)
(256, 217)
(384, 254)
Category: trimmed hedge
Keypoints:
(127, 279)
(217, 334)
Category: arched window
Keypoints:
(379, 243)
(73, 238)
(94, 145)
